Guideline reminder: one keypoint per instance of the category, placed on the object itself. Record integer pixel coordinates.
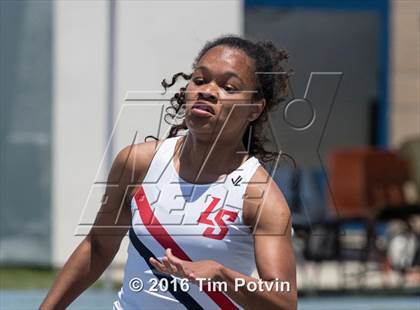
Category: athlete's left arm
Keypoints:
(273, 250)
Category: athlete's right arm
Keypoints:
(98, 248)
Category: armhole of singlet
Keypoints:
(130, 197)
(251, 173)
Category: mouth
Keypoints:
(202, 109)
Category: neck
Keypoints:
(203, 160)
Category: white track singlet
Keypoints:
(197, 221)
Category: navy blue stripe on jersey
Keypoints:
(183, 297)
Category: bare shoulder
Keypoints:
(264, 204)
(133, 160)
(131, 165)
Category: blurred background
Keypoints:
(79, 80)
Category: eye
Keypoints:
(198, 81)
(230, 89)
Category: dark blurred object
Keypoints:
(368, 186)
(373, 121)
(365, 180)
(304, 192)
(410, 151)
(367, 194)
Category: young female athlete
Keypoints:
(201, 210)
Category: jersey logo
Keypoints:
(237, 181)
(219, 220)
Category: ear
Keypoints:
(256, 109)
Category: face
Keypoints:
(220, 93)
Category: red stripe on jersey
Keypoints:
(154, 227)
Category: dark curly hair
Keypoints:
(273, 88)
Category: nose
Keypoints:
(208, 94)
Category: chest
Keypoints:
(213, 212)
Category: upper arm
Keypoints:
(272, 230)
(114, 216)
